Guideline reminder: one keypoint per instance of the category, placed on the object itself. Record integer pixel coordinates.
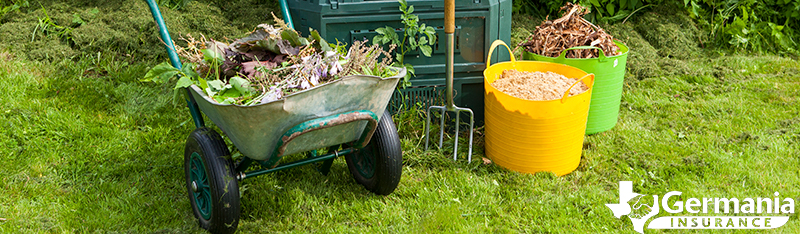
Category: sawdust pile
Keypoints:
(537, 86)
(571, 30)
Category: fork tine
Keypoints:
(427, 126)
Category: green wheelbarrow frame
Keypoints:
(347, 113)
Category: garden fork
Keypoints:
(449, 29)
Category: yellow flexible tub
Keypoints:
(533, 136)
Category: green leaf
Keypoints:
(695, 9)
(610, 8)
(388, 35)
(431, 33)
(411, 32)
(423, 40)
(595, 3)
(410, 9)
(241, 85)
(623, 4)
(228, 101)
(406, 83)
(188, 70)
(387, 40)
(412, 42)
(184, 82)
(619, 16)
(430, 30)
(161, 73)
(377, 39)
(230, 92)
(292, 37)
(211, 56)
(394, 37)
(219, 99)
(215, 85)
(414, 19)
(409, 69)
(380, 31)
(745, 16)
(635, 4)
(202, 83)
(426, 50)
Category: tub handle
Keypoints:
(566, 93)
(491, 50)
(601, 56)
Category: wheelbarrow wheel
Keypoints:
(210, 181)
(378, 166)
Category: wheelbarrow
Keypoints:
(347, 117)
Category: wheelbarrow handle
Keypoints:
(162, 30)
(287, 17)
(173, 58)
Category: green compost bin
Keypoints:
(478, 24)
(607, 91)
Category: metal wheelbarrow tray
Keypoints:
(348, 117)
(330, 114)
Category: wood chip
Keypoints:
(571, 30)
(486, 161)
(537, 86)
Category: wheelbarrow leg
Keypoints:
(325, 167)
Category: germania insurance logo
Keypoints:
(712, 213)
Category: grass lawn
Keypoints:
(85, 147)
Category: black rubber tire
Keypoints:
(383, 157)
(210, 150)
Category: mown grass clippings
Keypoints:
(672, 33)
(121, 27)
(642, 61)
(521, 31)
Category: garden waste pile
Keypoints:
(571, 30)
(273, 61)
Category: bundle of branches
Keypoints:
(571, 30)
(268, 64)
